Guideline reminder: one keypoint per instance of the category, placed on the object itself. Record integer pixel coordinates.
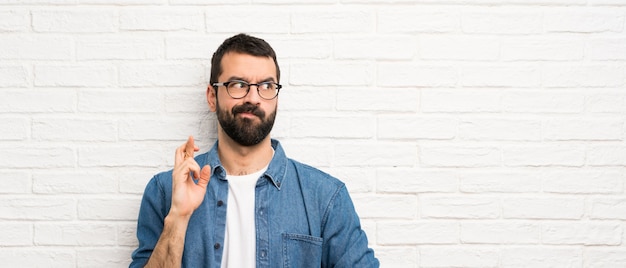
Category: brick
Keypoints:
(104, 257)
(159, 128)
(582, 233)
(31, 2)
(518, 76)
(544, 155)
(544, 49)
(74, 183)
(379, 155)
(29, 47)
(296, 98)
(413, 127)
(606, 155)
(458, 256)
(500, 181)
(75, 234)
(73, 129)
(500, 232)
(518, 257)
(584, 20)
(412, 75)
(455, 207)
(384, 47)
(607, 49)
(190, 47)
(386, 206)
(37, 157)
(160, 19)
(15, 182)
(489, 129)
(37, 101)
(134, 181)
(498, 21)
(18, 131)
(109, 209)
(205, 2)
(388, 256)
(82, 75)
(34, 257)
(120, 101)
(187, 100)
(357, 180)
(411, 180)
(342, 22)
(305, 47)
(608, 208)
(561, 208)
(16, 234)
(459, 156)
(387, 99)
(417, 232)
(119, 48)
(331, 74)
(575, 75)
(466, 100)
(14, 20)
(225, 20)
(75, 21)
(313, 153)
(605, 257)
(34, 208)
(122, 2)
(608, 102)
(603, 129)
(172, 75)
(417, 20)
(119, 155)
(334, 127)
(14, 76)
(127, 234)
(543, 102)
(452, 47)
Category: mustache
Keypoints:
(248, 108)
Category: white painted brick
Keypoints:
(73, 234)
(596, 128)
(187, 100)
(248, 20)
(122, 2)
(488, 129)
(332, 74)
(499, 21)
(500, 76)
(14, 20)
(75, 21)
(387, 99)
(458, 256)
(372, 154)
(410, 180)
(73, 129)
(584, 20)
(38, 257)
(445, 47)
(357, 180)
(120, 101)
(121, 155)
(119, 48)
(386, 206)
(109, 209)
(313, 153)
(83, 75)
(160, 19)
(191, 46)
(606, 155)
(582, 233)
(15, 182)
(583, 181)
(19, 129)
(158, 128)
(411, 75)
(418, 232)
(577, 75)
(16, 234)
(465, 100)
(134, 181)
(543, 208)
(307, 98)
(34, 208)
(459, 156)
(544, 155)
(14, 76)
(104, 257)
(297, 47)
(608, 208)
(173, 75)
(500, 181)
(22, 47)
(456, 206)
(37, 157)
(412, 127)
(38, 100)
(331, 21)
(397, 256)
(541, 257)
(552, 49)
(543, 102)
(30, 2)
(74, 182)
(500, 232)
(348, 126)
(387, 47)
(605, 257)
(419, 19)
(607, 103)
(127, 234)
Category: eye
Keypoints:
(266, 86)
(237, 84)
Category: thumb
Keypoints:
(205, 176)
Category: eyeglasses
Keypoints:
(238, 89)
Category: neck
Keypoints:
(242, 160)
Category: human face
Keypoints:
(249, 120)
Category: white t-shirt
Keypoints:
(240, 239)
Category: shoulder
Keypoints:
(313, 178)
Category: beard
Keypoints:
(245, 131)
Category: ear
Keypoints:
(211, 98)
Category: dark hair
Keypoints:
(241, 43)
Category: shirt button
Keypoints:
(220, 203)
(263, 253)
(217, 246)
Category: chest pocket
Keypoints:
(302, 250)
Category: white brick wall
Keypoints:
(487, 133)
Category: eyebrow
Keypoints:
(269, 79)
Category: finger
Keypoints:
(189, 148)
(179, 155)
(205, 176)
(194, 169)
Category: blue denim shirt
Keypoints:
(303, 216)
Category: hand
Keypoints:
(186, 194)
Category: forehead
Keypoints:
(247, 66)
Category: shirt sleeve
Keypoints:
(149, 223)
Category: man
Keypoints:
(244, 203)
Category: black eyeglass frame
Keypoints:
(248, 85)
